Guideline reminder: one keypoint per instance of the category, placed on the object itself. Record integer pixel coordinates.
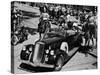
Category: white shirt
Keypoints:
(64, 47)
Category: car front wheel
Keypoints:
(59, 63)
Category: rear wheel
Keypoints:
(59, 63)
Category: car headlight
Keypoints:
(30, 49)
(24, 48)
(52, 52)
(27, 51)
(46, 58)
(47, 51)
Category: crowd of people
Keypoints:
(83, 18)
(65, 17)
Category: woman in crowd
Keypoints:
(44, 25)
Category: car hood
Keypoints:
(52, 40)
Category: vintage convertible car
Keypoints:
(47, 52)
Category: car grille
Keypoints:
(38, 52)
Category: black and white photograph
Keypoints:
(53, 37)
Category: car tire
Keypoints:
(59, 63)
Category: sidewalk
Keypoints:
(93, 53)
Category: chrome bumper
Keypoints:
(37, 64)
